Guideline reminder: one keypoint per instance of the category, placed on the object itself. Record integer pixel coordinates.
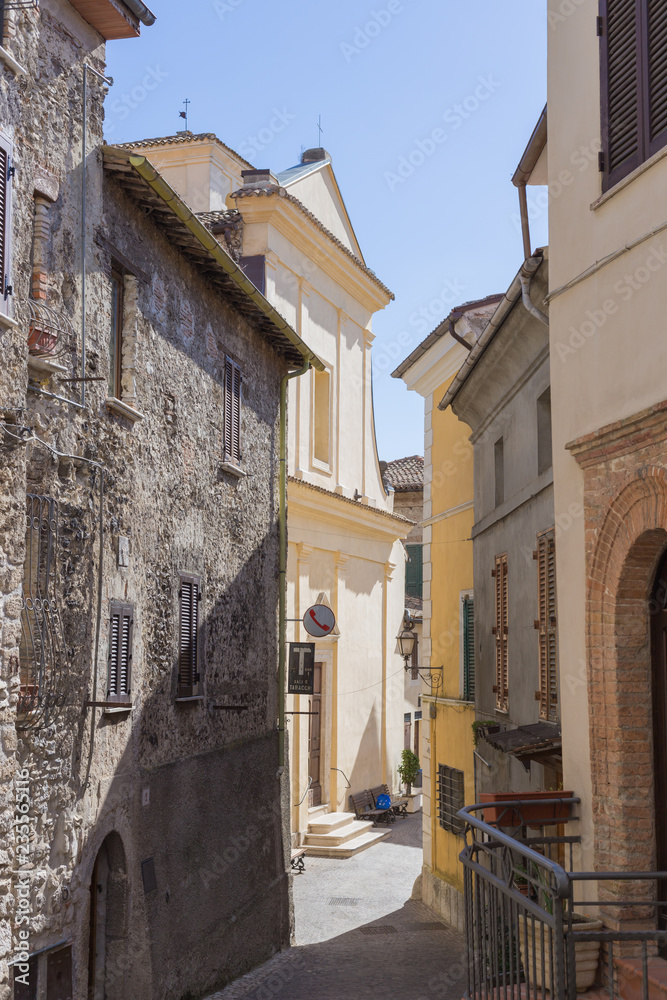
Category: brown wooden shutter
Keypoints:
(121, 626)
(500, 630)
(232, 414)
(620, 91)
(6, 175)
(547, 624)
(188, 642)
(656, 57)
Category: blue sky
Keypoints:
(426, 108)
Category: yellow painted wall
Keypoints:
(451, 741)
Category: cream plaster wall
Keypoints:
(202, 172)
(318, 191)
(608, 344)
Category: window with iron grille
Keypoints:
(232, 413)
(546, 625)
(121, 628)
(189, 596)
(451, 798)
(633, 78)
(468, 646)
(500, 630)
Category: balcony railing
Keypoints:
(530, 933)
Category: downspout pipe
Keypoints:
(282, 562)
(108, 80)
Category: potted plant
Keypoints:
(536, 813)
(408, 769)
(535, 952)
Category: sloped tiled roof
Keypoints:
(405, 474)
(183, 137)
(269, 189)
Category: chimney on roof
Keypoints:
(313, 155)
(258, 178)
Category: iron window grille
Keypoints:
(42, 650)
(189, 596)
(450, 798)
(121, 628)
(468, 647)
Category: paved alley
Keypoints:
(359, 934)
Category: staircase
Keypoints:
(340, 835)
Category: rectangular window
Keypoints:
(232, 414)
(451, 798)
(468, 647)
(189, 596)
(116, 336)
(499, 468)
(500, 630)
(414, 586)
(633, 64)
(321, 416)
(407, 731)
(544, 457)
(546, 625)
(121, 626)
(6, 178)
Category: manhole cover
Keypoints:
(380, 929)
(342, 901)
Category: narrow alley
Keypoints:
(360, 934)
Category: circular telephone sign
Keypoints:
(319, 620)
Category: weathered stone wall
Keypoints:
(410, 504)
(190, 785)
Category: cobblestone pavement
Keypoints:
(359, 935)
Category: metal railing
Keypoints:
(529, 930)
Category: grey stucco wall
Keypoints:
(498, 400)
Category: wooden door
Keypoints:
(658, 623)
(314, 737)
(59, 975)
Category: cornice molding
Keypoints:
(622, 436)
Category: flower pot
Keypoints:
(41, 339)
(533, 812)
(586, 953)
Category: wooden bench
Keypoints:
(399, 807)
(298, 864)
(364, 806)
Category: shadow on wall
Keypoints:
(180, 884)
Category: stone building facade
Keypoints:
(142, 811)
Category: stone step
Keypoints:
(338, 836)
(629, 972)
(350, 847)
(315, 811)
(332, 821)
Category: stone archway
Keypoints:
(621, 569)
(109, 911)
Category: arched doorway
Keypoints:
(658, 620)
(107, 950)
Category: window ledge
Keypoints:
(118, 406)
(43, 364)
(11, 62)
(233, 470)
(118, 709)
(623, 183)
(194, 697)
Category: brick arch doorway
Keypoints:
(624, 563)
(107, 948)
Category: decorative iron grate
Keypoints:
(379, 929)
(342, 901)
(42, 650)
(50, 333)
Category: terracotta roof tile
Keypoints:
(183, 137)
(405, 474)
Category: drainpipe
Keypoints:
(526, 280)
(145, 15)
(282, 562)
(525, 224)
(109, 82)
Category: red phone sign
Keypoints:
(319, 620)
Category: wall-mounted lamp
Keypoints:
(406, 640)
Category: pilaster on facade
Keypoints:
(304, 552)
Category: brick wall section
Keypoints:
(625, 510)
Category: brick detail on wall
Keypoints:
(625, 511)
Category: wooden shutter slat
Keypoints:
(125, 655)
(468, 649)
(502, 628)
(232, 412)
(620, 84)
(114, 653)
(657, 71)
(188, 674)
(548, 650)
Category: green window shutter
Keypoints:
(468, 649)
(413, 571)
